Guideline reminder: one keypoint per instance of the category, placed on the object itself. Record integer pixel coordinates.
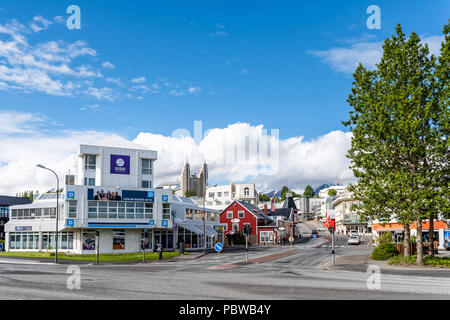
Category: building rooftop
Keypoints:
(11, 201)
(115, 141)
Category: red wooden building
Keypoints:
(238, 214)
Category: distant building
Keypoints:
(219, 197)
(5, 203)
(346, 217)
(192, 182)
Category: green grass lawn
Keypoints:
(92, 257)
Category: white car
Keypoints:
(353, 239)
(323, 229)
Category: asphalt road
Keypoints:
(300, 275)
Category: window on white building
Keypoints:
(90, 162)
(119, 240)
(72, 209)
(166, 211)
(89, 181)
(226, 194)
(146, 184)
(219, 194)
(146, 166)
(246, 191)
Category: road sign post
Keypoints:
(246, 247)
(291, 240)
(218, 247)
(332, 246)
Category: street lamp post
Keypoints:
(57, 209)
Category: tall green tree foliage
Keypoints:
(309, 191)
(399, 146)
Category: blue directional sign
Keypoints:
(218, 247)
(314, 236)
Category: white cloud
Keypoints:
(27, 141)
(346, 59)
(100, 93)
(108, 65)
(300, 162)
(139, 80)
(219, 34)
(40, 23)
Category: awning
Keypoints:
(197, 229)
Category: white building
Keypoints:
(219, 197)
(112, 195)
(326, 208)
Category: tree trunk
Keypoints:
(406, 244)
(431, 234)
(419, 243)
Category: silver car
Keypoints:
(353, 239)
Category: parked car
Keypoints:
(314, 232)
(354, 239)
(353, 232)
(447, 245)
(323, 229)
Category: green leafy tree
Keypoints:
(332, 193)
(190, 193)
(399, 145)
(26, 194)
(309, 191)
(263, 198)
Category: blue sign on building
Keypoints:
(165, 223)
(71, 195)
(151, 223)
(165, 198)
(70, 222)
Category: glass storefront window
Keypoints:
(119, 240)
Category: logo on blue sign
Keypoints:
(70, 222)
(165, 198)
(165, 223)
(70, 195)
(150, 195)
(151, 223)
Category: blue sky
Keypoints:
(155, 66)
(258, 70)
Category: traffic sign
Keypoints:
(218, 247)
(314, 236)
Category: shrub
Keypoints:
(384, 238)
(384, 251)
(239, 238)
(443, 262)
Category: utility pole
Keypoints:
(332, 246)
(57, 209)
(204, 221)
